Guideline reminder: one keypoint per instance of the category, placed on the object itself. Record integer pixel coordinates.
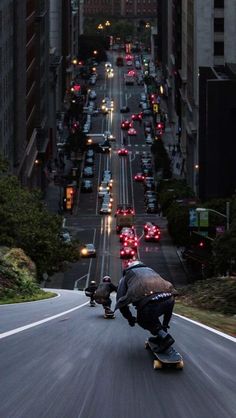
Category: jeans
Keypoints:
(148, 316)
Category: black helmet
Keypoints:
(106, 279)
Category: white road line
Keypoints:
(42, 321)
(215, 331)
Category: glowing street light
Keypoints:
(100, 26)
(107, 23)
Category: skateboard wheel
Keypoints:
(180, 365)
(157, 364)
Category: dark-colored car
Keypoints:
(124, 109)
(86, 186)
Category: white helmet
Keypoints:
(134, 264)
(106, 279)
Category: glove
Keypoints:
(132, 321)
(165, 327)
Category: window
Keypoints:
(218, 4)
(218, 48)
(219, 24)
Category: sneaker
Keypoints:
(162, 343)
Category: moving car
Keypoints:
(139, 177)
(105, 209)
(127, 252)
(132, 132)
(103, 189)
(126, 233)
(151, 232)
(136, 116)
(131, 242)
(126, 124)
(88, 250)
(124, 109)
(149, 139)
(122, 152)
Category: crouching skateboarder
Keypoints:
(102, 295)
(90, 291)
(152, 297)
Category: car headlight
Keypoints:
(84, 251)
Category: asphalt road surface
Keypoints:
(77, 364)
(60, 358)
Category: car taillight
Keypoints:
(122, 252)
(156, 236)
(132, 252)
(147, 236)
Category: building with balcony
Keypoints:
(192, 34)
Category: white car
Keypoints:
(103, 189)
(105, 209)
(149, 139)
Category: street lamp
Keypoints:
(107, 23)
(226, 216)
(100, 27)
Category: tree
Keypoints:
(224, 250)
(25, 223)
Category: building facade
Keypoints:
(134, 9)
(7, 81)
(193, 34)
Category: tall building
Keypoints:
(194, 34)
(132, 9)
(7, 81)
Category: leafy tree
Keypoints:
(178, 218)
(25, 223)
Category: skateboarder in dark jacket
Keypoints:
(152, 297)
(90, 290)
(102, 294)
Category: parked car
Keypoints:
(86, 186)
(88, 171)
(65, 236)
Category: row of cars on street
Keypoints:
(145, 176)
(104, 192)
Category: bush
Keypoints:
(218, 294)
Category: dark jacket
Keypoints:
(140, 282)
(89, 291)
(103, 292)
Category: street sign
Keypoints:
(203, 219)
(155, 107)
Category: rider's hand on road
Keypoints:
(132, 321)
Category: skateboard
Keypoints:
(169, 357)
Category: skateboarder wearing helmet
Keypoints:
(152, 297)
(90, 290)
(102, 294)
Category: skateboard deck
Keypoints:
(169, 357)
